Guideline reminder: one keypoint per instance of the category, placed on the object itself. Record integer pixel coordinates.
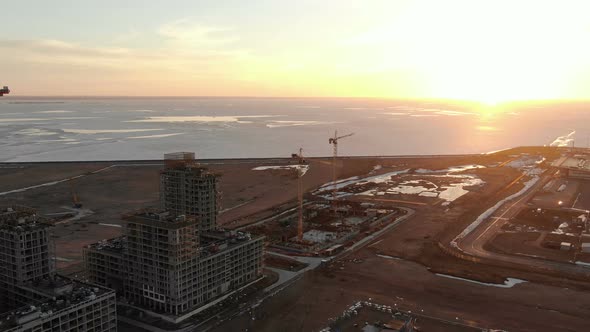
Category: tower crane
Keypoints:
(334, 142)
(301, 160)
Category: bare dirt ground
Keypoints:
(307, 305)
(246, 195)
(543, 304)
(539, 229)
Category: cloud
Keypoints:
(180, 45)
(183, 58)
(188, 33)
(162, 57)
(55, 47)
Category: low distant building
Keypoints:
(574, 166)
(62, 304)
(33, 297)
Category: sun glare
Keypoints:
(501, 51)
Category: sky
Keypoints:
(486, 51)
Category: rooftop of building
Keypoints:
(579, 162)
(62, 293)
(114, 245)
(185, 161)
(20, 218)
(159, 217)
(211, 242)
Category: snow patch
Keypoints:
(509, 283)
(110, 225)
(493, 209)
(303, 168)
(389, 257)
(453, 169)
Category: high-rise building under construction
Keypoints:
(175, 260)
(186, 188)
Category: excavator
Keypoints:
(4, 91)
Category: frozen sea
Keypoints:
(59, 129)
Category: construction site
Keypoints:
(337, 231)
(554, 223)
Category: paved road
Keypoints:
(474, 242)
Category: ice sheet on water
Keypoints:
(200, 118)
(107, 131)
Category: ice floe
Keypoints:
(155, 136)
(294, 123)
(200, 118)
(106, 131)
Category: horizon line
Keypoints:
(303, 97)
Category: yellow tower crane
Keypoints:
(301, 161)
(334, 141)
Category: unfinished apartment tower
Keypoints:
(164, 263)
(186, 188)
(33, 298)
(24, 251)
(161, 250)
(175, 260)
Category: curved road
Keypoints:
(473, 243)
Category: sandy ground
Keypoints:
(545, 304)
(246, 195)
(322, 294)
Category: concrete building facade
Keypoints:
(37, 299)
(178, 281)
(186, 188)
(24, 251)
(174, 260)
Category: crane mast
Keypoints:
(299, 170)
(334, 142)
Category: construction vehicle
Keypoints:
(76, 204)
(4, 91)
